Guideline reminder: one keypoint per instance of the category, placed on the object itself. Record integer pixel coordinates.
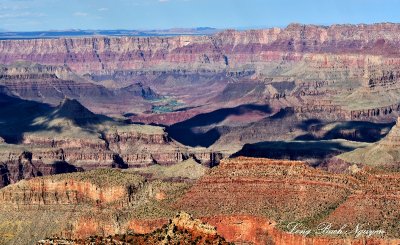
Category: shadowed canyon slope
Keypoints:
(110, 137)
(383, 154)
(41, 140)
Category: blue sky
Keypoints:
(29, 15)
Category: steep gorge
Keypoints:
(328, 67)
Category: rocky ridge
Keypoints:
(290, 191)
(228, 48)
(254, 202)
(71, 138)
(78, 205)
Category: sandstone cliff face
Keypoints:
(158, 148)
(229, 48)
(17, 168)
(258, 231)
(181, 229)
(75, 206)
(19, 164)
(74, 190)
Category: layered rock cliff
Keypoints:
(52, 83)
(181, 229)
(76, 189)
(247, 200)
(228, 48)
(78, 205)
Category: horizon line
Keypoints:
(257, 27)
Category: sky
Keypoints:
(40, 15)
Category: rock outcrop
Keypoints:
(19, 165)
(258, 231)
(181, 229)
(76, 189)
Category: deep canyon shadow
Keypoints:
(17, 116)
(201, 130)
(294, 150)
(360, 131)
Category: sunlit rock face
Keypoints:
(290, 191)
(228, 48)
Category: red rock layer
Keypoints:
(69, 192)
(229, 48)
(288, 191)
(280, 189)
(258, 231)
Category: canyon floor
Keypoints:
(216, 138)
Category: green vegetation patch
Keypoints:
(166, 105)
